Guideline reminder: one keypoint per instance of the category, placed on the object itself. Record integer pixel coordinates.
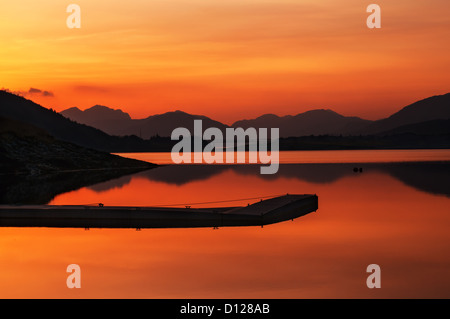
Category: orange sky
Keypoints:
(227, 59)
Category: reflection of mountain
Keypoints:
(25, 189)
(431, 177)
(171, 174)
(112, 183)
(183, 174)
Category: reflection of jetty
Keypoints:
(261, 213)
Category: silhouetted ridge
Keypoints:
(26, 149)
(101, 117)
(314, 122)
(432, 108)
(21, 109)
(116, 122)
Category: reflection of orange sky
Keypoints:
(141, 191)
(322, 156)
(227, 59)
(362, 219)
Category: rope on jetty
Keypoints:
(220, 201)
(202, 203)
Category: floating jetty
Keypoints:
(260, 213)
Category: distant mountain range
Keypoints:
(20, 109)
(424, 124)
(314, 122)
(426, 110)
(116, 122)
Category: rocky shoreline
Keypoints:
(35, 167)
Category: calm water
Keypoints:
(356, 156)
(395, 213)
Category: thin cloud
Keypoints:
(31, 92)
(48, 93)
(34, 91)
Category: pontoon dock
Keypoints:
(261, 213)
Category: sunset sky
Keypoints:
(226, 59)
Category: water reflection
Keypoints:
(431, 177)
(428, 177)
(363, 218)
(41, 189)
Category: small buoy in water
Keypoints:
(360, 169)
(100, 205)
(355, 169)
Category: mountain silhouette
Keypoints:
(116, 122)
(328, 122)
(432, 108)
(433, 127)
(20, 109)
(424, 122)
(100, 117)
(164, 124)
(314, 122)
